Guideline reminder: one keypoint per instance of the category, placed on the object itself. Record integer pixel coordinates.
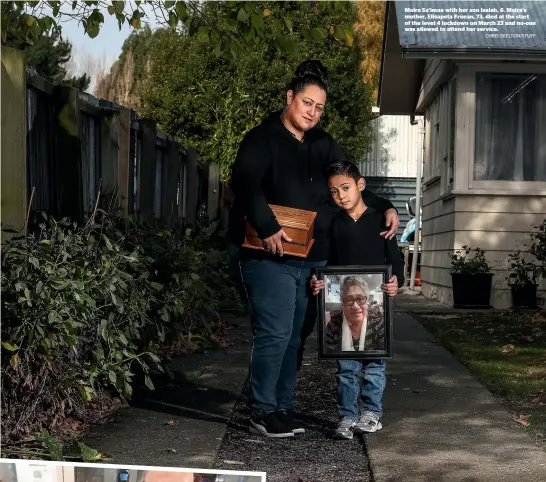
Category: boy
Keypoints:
(356, 241)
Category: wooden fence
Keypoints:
(66, 147)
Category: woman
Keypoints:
(358, 326)
(283, 161)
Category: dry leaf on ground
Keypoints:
(507, 348)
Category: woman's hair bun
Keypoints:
(312, 68)
(309, 72)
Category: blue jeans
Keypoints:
(349, 386)
(278, 293)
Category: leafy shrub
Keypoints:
(84, 308)
(522, 272)
(462, 263)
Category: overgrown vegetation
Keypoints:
(249, 22)
(86, 310)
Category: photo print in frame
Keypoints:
(354, 315)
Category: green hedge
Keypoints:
(85, 308)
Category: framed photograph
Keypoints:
(354, 315)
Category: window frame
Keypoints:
(451, 128)
(465, 142)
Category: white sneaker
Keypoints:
(344, 429)
(368, 422)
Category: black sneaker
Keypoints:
(270, 425)
(287, 416)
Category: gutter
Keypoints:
(472, 54)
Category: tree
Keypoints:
(371, 20)
(123, 83)
(248, 23)
(49, 54)
(210, 102)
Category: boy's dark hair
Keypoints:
(344, 168)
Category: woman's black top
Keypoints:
(273, 167)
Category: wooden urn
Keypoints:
(297, 224)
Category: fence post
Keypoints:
(14, 130)
(182, 177)
(109, 158)
(147, 170)
(68, 151)
(213, 201)
(124, 162)
(191, 187)
(170, 184)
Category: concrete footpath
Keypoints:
(440, 423)
(181, 423)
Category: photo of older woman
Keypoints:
(359, 325)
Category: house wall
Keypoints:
(495, 217)
(498, 224)
(435, 74)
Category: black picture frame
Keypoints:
(331, 314)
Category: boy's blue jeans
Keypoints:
(349, 386)
(278, 293)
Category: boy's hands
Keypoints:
(391, 288)
(316, 285)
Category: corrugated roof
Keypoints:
(529, 39)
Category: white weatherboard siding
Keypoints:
(393, 151)
(498, 224)
(495, 216)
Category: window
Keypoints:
(510, 120)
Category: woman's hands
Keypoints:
(273, 244)
(391, 288)
(316, 285)
(392, 222)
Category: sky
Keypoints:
(103, 49)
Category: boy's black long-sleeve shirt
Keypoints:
(359, 243)
(273, 167)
